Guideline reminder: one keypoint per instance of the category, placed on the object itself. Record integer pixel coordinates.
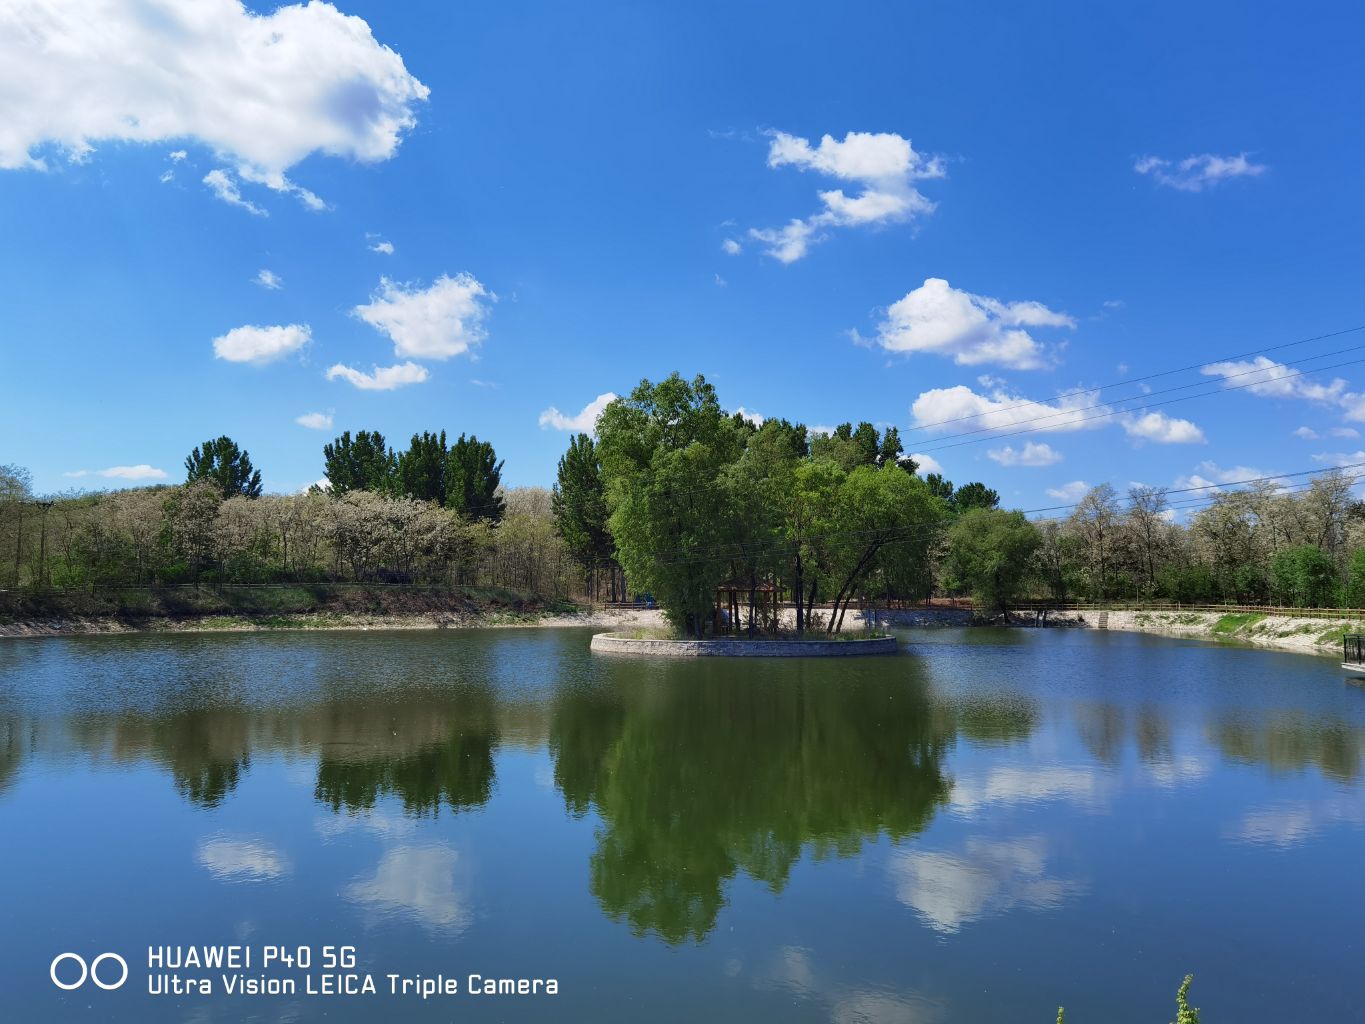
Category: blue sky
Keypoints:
(1092, 193)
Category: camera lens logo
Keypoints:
(90, 971)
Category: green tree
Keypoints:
(1305, 576)
(990, 552)
(363, 464)
(226, 466)
(473, 479)
(975, 495)
(663, 449)
(579, 502)
(422, 468)
(1355, 580)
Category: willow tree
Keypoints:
(663, 451)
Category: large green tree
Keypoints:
(579, 502)
(364, 463)
(422, 468)
(228, 467)
(990, 552)
(473, 480)
(663, 450)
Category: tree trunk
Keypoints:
(796, 592)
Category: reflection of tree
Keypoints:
(11, 751)
(999, 720)
(718, 771)
(204, 767)
(455, 771)
(1292, 743)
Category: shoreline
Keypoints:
(330, 622)
(1289, 633)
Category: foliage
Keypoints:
(225, 465)
(1185, 1013)
(473, 479)
(990, 552)
(1304, 576)
(363, 464)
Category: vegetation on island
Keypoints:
(729, 523)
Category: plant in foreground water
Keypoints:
(1185, 1013)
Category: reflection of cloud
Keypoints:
(1178, 771)
(1019, 785)
(380, 822)
(418, 882)
(950, 891)
(242, 860)
(794, 971)
(880, 1008)
(1286, 825)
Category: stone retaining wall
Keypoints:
(608, 643)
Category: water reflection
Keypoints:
(430, 883)
(705, 775)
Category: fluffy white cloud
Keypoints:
(1340, 458)
(971, 329)
(1163, 429)
(1306, 434)
(756, 418)
(261, 345)
(925, 463)
(1343, 432)
(262, 91)
(1073, 491)
(315, 420)
(731, 247)
(1196, 173)
(1032, 454)
(882, 166)
(270, 280)
(384, 378)
(959, 408)
(139, 472)
(438, 322)
(384, 248)
(584, 423)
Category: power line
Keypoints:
(1153, 376)
(1214, 388)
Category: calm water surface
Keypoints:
(976, 829)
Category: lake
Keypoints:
(981, 827)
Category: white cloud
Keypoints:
(176, 155)
(261, 345)
(731, 247)
(974, 795)
(242, 860)
(386, 248)
(1269, 379)
(1000, 411)
(438, 322)
(1032, 454)
(882, 166)
(225, 188)
(925, 464)
(1306, 434)
(1162, 429)
(1196, 173)
(1343, 432)
(262, 92)
(972, 329)
(1339, 459)
(270, 280)
(384, 378)
(482, 383)
(315, 420)
(138, 472)
(1113, 304)
(1072, 492)
(584, 423)
(756, 418)
(1209, 475)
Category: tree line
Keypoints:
(728, 524)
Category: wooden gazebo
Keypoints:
(735, 599)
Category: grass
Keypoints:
(1230, 624)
